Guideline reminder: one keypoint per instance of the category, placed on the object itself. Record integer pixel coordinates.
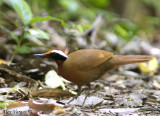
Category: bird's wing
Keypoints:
(89, 58)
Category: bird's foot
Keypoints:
(75, 97)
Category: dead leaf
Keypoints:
(132, 100)
(18, 76)
(90, 101)
(17, 104)
(119, 110)
(4, 62)
(46, 108)
(18, 108)
(156, 82)
(2, 80)
(50, 92)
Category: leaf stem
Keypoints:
(18, 44)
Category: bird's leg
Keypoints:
(89, 87)
(78, 94)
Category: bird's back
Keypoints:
(82, 66)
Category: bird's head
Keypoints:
(55, 54)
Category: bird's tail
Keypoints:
(130, 59)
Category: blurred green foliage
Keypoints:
(74, 10)
(81, 13)
(24, 12)
(125, 30)
(102, 4)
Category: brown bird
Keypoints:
(84, 66)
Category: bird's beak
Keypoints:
(39, 55)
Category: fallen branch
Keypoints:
(18, 77)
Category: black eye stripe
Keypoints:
(57, 56)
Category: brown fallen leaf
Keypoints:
(50, 92)
(19, 108)
(17, 104)
(46, 108)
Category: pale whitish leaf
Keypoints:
(23, 10)
(37, 33)
(53, 80)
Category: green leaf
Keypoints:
(37, 33)
(23, 10)
(121, 31)
(13, 36)
(2, 105)
(15, 88)
(80, 28)
(1, 2)
(129, 99)
(100, 4)
(46, 18)
(23, 50)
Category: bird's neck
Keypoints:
(59, 62)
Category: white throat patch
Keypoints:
(60, 53)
